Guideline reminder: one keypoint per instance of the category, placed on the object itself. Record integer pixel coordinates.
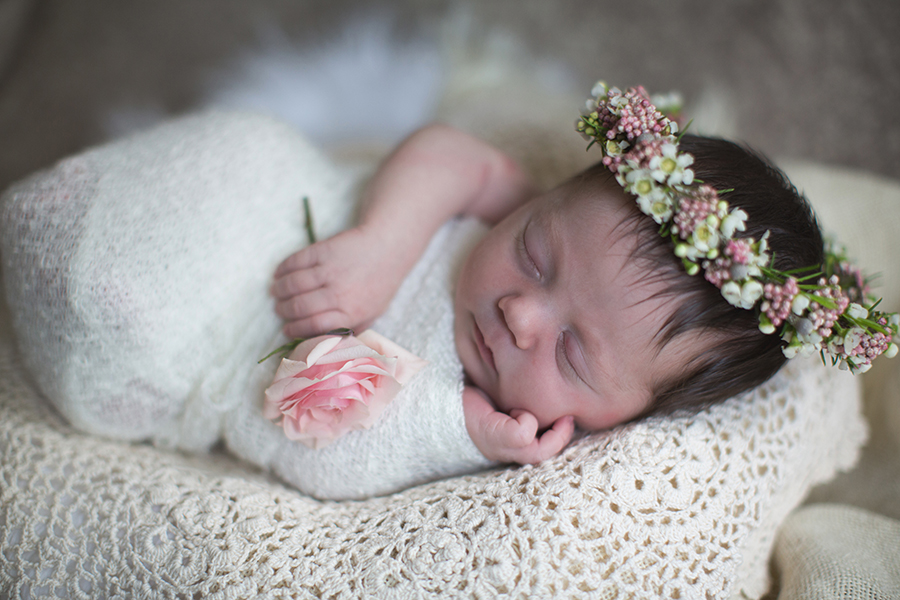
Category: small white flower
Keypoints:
(750, 293)
(760, 257)
(856, 361)
(705, 238)
(810, 348)
(790, 351)
(657, 204)
(670, 167)
(600, 89)
(856, 311)
(895, 319)
(614, 148)
(812, 339)
(735, 221)
(843, 365)
(835, 346)
(762, 248)
(616, 99)
(891, 351)
(732, 293)
(852, 339)
(863, 367)
(799, 304)
(765, 325)
(640, 182)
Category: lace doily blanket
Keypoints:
(686, 510)
(683, 507)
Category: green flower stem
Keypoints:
(308, 221)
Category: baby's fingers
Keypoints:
(302, 259)
(555, 439)
(520, 429)
(297, 282)
(306, 305)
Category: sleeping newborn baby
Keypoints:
(572, 310)
(534, 314)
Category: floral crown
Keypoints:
(824, 308)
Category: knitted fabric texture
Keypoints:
(137, 273)
(683, 507)
(160, 287)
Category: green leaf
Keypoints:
(287, 348)
(683, 131)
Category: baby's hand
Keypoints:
(512, 437)
(345, 281)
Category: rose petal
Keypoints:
(408, 363)
(322, 346)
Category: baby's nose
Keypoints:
(523, 318)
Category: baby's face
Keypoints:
(553, 317)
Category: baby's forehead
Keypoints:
(623, 224)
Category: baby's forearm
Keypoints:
(348, 280)
(434, 175)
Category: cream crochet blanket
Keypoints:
(684, 507)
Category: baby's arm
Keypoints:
(511, 437)
(435, 174)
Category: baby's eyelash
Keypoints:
(523, 250)
(563, 349)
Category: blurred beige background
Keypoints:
(810, 79)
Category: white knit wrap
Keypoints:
(683, 507)
(422, 434)
(156, 277)
(137, 273)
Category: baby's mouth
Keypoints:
(486, 355)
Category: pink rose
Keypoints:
(333, 384)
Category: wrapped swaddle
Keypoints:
(141, 302)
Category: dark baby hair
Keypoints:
(740, 357)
